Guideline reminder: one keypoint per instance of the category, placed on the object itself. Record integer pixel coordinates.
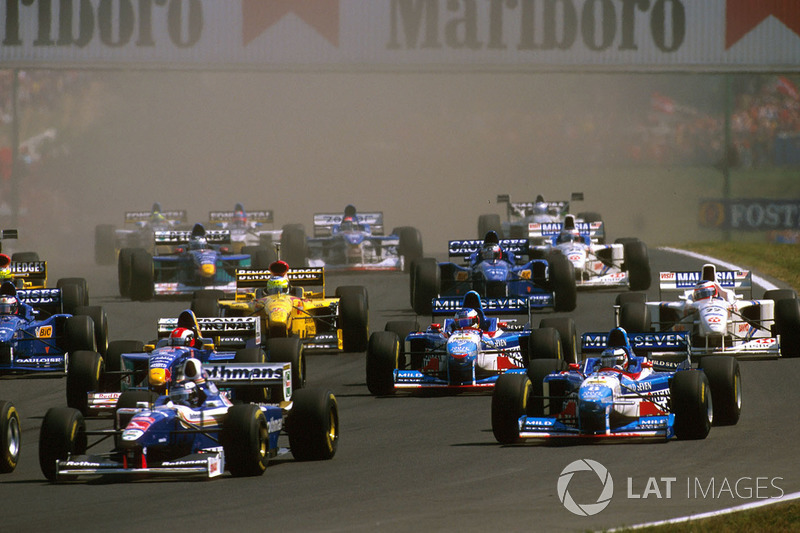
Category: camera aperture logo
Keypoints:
(586, 509)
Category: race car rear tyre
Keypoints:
(402, 328)
(538, 369)
(100, 320)
(142, 276)
(725, 381)
(112, 379)
(25, 257)
(487, 223)
(313, 425)
(354, 317)
(568, 333)
(545, 343)
(294, 247)
(10, 437)
(427, 283)
(787, 325)
(249, 393)
(80, 333)
(562, 282)
(289, 350)
(205, 303)
(260, 256)
(63, 433)
(509, 404)
(105, 242)
(71, 298)
(637, 263)
(124, 271)
(86, 369)
(383, 358)
(245, 439)
(690, 398)
(626, 297)
(634, 317)
(410, 246)
(780, 294)
(81, 283)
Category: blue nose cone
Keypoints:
(462, 356)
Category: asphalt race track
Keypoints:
(416, 463)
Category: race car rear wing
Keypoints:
(447, 305)
(653, 345)
(250, 278)
(740, 281)
(32, 273)
(520, 210)
(324, 222)
(47, 300)
(178, 237)
(552, 229)
(466, 248)
(132, 217)
(223, 332)
(264, 216)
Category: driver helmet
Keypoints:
(466, 318)
(705, 289)
(8, 305)
(278, 285)
(239, 218)
(182, 337)
(614, 358)
(491, 251)
(198, 243)
(568, 236)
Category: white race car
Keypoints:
(719, 318)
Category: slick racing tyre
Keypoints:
(725, 381)
(83, 288)
(410, 246)
(85, 373)
(24, 257)
(205, 303)
(509, 404)
(124, 271)
(113, 379)
(294, 247)
(100, 322)
(313, 425)
(787, 325)
(690, 398)
(637, 263)
(105, 242)
(403, 328)
(538, 369)
(63, 433)
(427, 282)
(142, 276)
(260, 256)
(80, 333)
(568, 334)
(383, 358)
(10, 437)
(545, 343)
(353, 317)
(289, 350)
(250, 393)
(487, 223)
(634, 317)
(245, 439)
(562, 282)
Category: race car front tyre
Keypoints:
(725, 381)
(780, 294)
(245, 439)
(205, 303)
(10, 437)
(690, 399)
(637, 263)
(625, 297)
(427, 283)
(142, 276)
(402, 328)
(85, 373)
(250, 393)
(100, 320)
(80, 333)
(63, 433)
(313, 425)
(104, 244)
(787, 325)
(353, 317)
(113, 378)
(410, 246)
(545, 343)
(289, 350)
(562, 282)
(72, 297)
(568, 333)
(124, 271)
(294, 247)
(383, 358)
(24, 257)
(538, 369)
(509, 403)
(634, 317)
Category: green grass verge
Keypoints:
(780, 261)
(778, 518)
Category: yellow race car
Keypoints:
(339, 322)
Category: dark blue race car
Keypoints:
(642, 387)
(199, 260)
(497, 269)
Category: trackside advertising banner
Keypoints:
(403, 34)
(751, 214)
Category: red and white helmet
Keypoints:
(467, 318)
(182, 337)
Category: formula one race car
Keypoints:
(191, 430)
(717, 318)
(10, 437)
(495, 269)
(247, 229)
(137, 232)
(199, 260)
(522, 216)
(465, 353)
(353, 241)
(287, 308)
(641, 388)
(623, 264)
(38, 337)
(228, 348)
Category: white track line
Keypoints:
(758, 280)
